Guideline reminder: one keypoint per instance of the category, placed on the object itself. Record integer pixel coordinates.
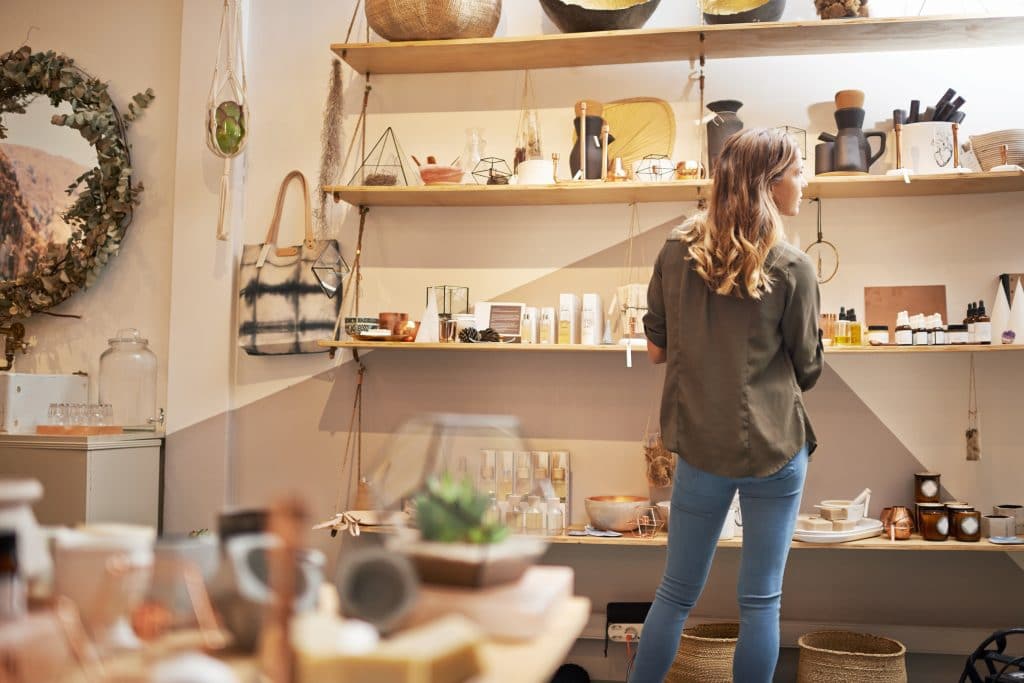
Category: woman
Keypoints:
(733, 310)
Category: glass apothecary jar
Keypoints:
(128, 380)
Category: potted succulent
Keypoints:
(460, 541)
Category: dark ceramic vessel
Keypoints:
(577, 19)
(719, 129)
(594, 153)
(770, 11)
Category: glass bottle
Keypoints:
(982, 325)
(842, 335)
(555, 519)
(492, 515)
(472, 153)
(524, 484)
(505, 469)
(559, 470)
(534, 516)
(128, 380)
(515, 516)
(856, 334)
(486, 481)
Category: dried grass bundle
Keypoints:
(661, 466)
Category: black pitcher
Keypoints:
(852, 149)
(593, 142)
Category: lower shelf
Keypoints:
(877, 543)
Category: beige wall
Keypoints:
(132, 46)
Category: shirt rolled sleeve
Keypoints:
(800, 325)
(654, 319)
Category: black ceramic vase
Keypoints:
(721, 127)
(593, 147)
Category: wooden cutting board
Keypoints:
(881, 304)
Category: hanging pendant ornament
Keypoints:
(227, 109)
(823, 253)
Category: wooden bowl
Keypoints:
(742, 11)
(614, 513)
(577, 16)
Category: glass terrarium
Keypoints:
(451, 299)
(437, 479)
(384, 165)
(330, 269)
(798, 134)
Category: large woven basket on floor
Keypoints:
(846, 657)
(705, 654)
(433, 19)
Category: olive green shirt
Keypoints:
(736, 367)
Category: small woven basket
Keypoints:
(705, 654)
(829, 656)
(433, 19)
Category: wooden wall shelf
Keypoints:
(830, 187)
(580, 348)
(723, 41)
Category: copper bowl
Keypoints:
(615, 513)
(393, 321)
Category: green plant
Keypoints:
(453, 511)
(103, 209)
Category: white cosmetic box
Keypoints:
(25, 398)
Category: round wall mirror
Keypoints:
(38, 163)
(66, 190)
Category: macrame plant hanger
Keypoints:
(227, 109)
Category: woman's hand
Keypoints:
(656, 354)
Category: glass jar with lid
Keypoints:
(128, 380)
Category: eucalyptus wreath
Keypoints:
(103, 209)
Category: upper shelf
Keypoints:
(621, 349)
(722, 41)
(596, 192)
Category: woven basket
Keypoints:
(830, 656)
(705, 654)
(433, 19)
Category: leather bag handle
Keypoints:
(275, 223)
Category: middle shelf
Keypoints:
(596, 192)
(615, 348)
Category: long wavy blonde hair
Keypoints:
(729, 243)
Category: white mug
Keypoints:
(1013, 511)
(998, 525)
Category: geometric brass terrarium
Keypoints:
(330, 269)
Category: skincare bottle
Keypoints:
(540, 466)
(939, 332)
(534, 517)
(917, 323)
(485, 481)
(904, 335)
(842, 333)
(969, 321)
(856, 331)
(506, 470)
(559, 474)
(555, 518)
(568, 319)
(548, 329)
(492, 515)
(592, 320)
(515, 516)
(982, 325)
(531, 326)
(524, 484)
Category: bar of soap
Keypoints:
(442, 651)
(814, 523)
(844, 524)
(833, 514)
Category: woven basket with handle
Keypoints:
(705, 654)
(433, 19)
(829, 656)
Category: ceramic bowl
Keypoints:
(614, 513)
(577, 16)
(854, 511)
(742, 11)
(354, 325)
(474, 565)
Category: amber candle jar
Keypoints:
(953, 507)
(926, 487)
(967, 525)
(934, 524)
(919, 507)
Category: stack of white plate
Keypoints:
(866, 528)
(986, 147)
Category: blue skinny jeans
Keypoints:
(700, 501)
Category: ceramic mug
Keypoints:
(998, 525)
(1014, 511)
(928, 147)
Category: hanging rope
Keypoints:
(353, 443)
(227, 117)
(350, 293)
